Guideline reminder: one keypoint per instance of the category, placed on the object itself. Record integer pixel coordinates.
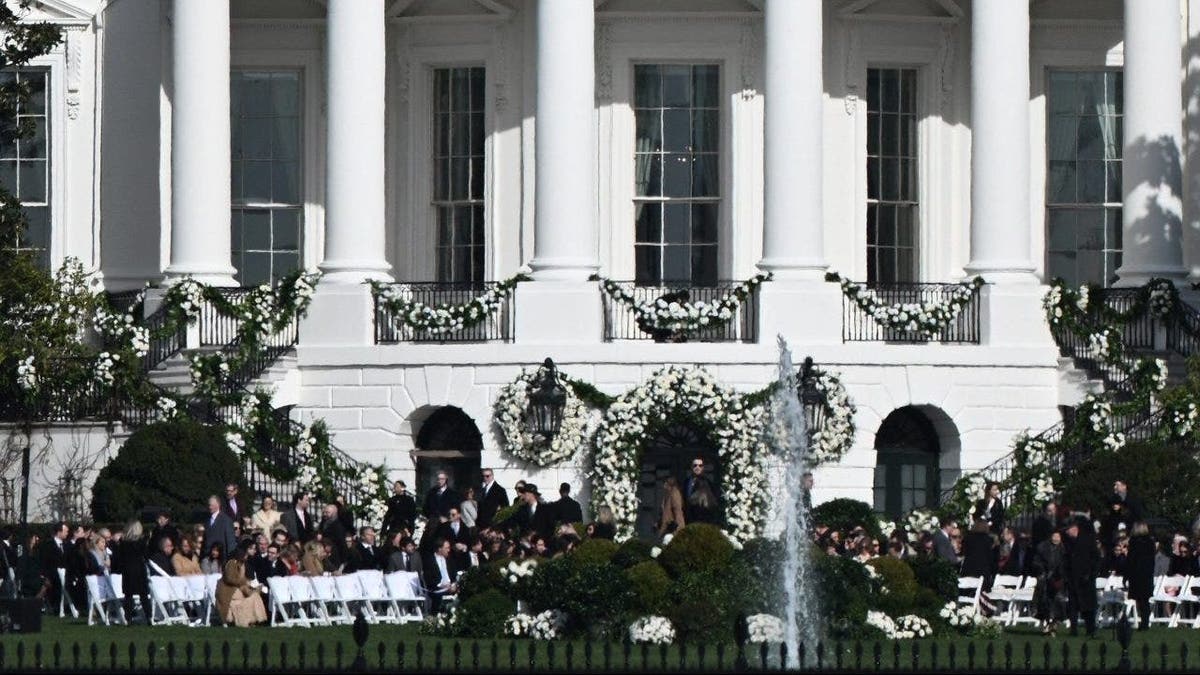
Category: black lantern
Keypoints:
(811, 398)
(547, 400)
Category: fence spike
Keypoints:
(21, 655)
(701, 652)
(320, 656)
(1145, 655)
(56, 651)
(587, 655)
(225, 649)
(783, 655)
(896, 655)
(1103, 656)
(495, 655)
(132, 656)
(37, 655)
(207, 654)
(189, 652)
(246, 655)
(951, 654)
(1183, 655)
(512, 656)
(382, 654)
(475, 655)
(990, 654)
(302, 656)
(549, 654)
(263, 655)
(75, 655)
(338, 652)
(570, 656)
(151, 649)
(1162, 654)
(720, 657)
(916, 653)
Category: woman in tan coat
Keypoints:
(185, 561)
(672, 507)
(238, 602)
(310, 562)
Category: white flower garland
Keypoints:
(1163, 297)
(964, 616)
(927, 318)
(735, 430)
(674, 316)
(835, 436)
(444, 318)
(655, 630)
(577, 425)
(764, 628)
(920, 521)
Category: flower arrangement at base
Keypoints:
(927, 318)
(548, 625)
(906, 627)
(672, 315)
(676, 393)
(655, 630)
(517, 439)
(960, 616)
(762, 628)
(444, 318)
(517, 570)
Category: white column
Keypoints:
(793, 221)
(1151, 175)
(564, 247)
(356, 57)
(200, 194)
(1000, 227)
(1191, 136)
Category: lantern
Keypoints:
(547, 400)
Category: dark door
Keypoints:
(670, 453)
(907, 475)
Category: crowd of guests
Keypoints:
(1065, 549)
(450, 532)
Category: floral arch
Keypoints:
(672, 394)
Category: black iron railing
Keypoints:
(124, 301)
(1183, 331)
(1115, 376)
(216, 327)
(274, 346)
(622, 322)
(495, 328)
(1139, 330)
(859, 326)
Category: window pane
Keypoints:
(677, 226)
(256, 230)
(286, 143)
(459, 171)
(647, 90)
(704, 265)
(677, 86)
(704, 176)
(677, 176)
(649, 130)
(706, 86)
(256, 268)
(256, 181)
(1092, 182)
(285, 182)
(255, 95)
(285, 230)
(648, 222)
(677, 263)
(677, 130)
(646, 264)
(704, 223)
(1061, 183)
(285, 93)
(33, 181)
(283, 264)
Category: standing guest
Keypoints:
(440, 498)
(160, 559)
(1082, 560)
(979, 553)
(131, 558)
(605, 523)
(492, 498)
(333, 532)
(296, 520)
(401, 510)
(1050, 566)
(230, 506)
(440, 573)
(266, 518)
(1045, 524)
(219, 529)
(1131, 506)
(1139, 571)
(943, 543)
(53, 556)
(535, 516)
(163, 527)
(671, 515)
(700, 495)
(1014, 553)
(8, 565)
(365, 555)
(990, 509)
(31, 582)
(185, 562)
(455, 531)
(344, 512)
(567, 510)
(1115, 522)
(238, 601)
(469, 509)
(806, 487)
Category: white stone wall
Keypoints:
(81, 449)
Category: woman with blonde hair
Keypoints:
(266, 519)
(131, 556)
(671, 509)
(185, 561)
(238, 601)
(310, 562)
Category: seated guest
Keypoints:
(405, 558)
(311, 563)
(160, 559)
(98, 560)
(475, 556)
(606, 524)
(212, 564)
(290, 557)
(365, 555)
(185, 562)
(238, 601)
(1183, 563)
(266, 519)
(440, 575)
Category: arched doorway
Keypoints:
(907, 471)
(670, 453)
(448, 441)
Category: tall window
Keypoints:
(268, 202)
(1083, 179)
(891, 175)
(677, 198)
(25, 163)
(907, 470)
(458, 173)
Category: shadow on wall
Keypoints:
(1191, 140)
(1153, 180)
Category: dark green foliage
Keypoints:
(844, 515)
(699, 547)
(1165, 476)
(599, 551)
(543, 590)
(845, 593)
(935, 574)
(632, 552)
(596, 597)
(174, 465)
(483, 615)
(481, 579)
(651, 587)
(702, 608)
(901, 585)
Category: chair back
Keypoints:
(349, 587)
(324, 588)
(280, 589)
(400, 585)
(300, 588)
(373, 584)
(162, 589)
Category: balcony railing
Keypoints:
(623, 323)
(859, 326)
(496, 328)
(217, 329)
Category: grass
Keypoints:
(64, 644)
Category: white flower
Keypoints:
(27, 377)
(547, 625)
(655, 552)
(764, 628)
(656, 630)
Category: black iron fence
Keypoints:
(622, 322)
(860, 326)
(495, 328)
(1139, 330)
(1183, 331)
(216, 327)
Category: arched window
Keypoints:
(448, 441)
(907, 470)
(670, 453)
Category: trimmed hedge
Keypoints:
(844, 515)
(1165, 476)
(696, 548)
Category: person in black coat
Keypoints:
(297, 521)
(1083, 558)
(1050, 566)
(441, 575)
(130, 563)
(1183, 562)
(441, 498)
(979, 554)
(1139, 571)
(1016, 554)
(535, 516)
(1044, 525)
(700, 495)
(458, 534)
(567, 510)
(401, 511)
(492, 498)
(1131, 506)
(52, 555)
(365, 554)
(333, 532)
(218, 530)
(990, 509)
(161, 556)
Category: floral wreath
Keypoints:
(693, 393)
(443, 318)
(927, 318)
(835, 436)
(521, 443)
(669, 314)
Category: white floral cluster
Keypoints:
(927, 318)
(27, 377)
(906, 627)
(886, 526)
(963, 616)
(519, 441)
(517, 570)
(976, 484)
(1114, 441)
(167, 407)
(191, 297)
(444, 318)
(1163, 297)
(764, 628)
(1183, 421)
(1101, 413)
(445, 622)
(1081, 299)
(106, 362)
(1101, 343)
(1160, 374)
(663, 314)
(835, 436)
(1043, 488)
(236, 442)
(547, 625)
(736, 430)
(920, 521)
(655, 630)
(121, 327)
(1052, 303)
(198, 371)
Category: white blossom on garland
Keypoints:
(677, 317)
(835, 436)
(27, 377)
(692, 393)
(1163, 297)
(519, 441)
(444, 318)
(654, 630)
(927, 318)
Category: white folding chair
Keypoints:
(1189, 599)
(301, 592)
(210, 597)
(166, 608)
(1166, 601)
(1113, 601)
(1003, 587)
(64, 603)
(404, 591)
(353, 597)
(375, 595)
(284, 611)
(1021, 603)
(969, 591)
(325, 590)
(103, 602)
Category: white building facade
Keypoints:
(895, 142)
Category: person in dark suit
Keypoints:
(535, 516)
(297, 521)
(492, 498)
(943, 543)
(1082, 560)
(218, 530)
(401, 510)
(130, 562)
(567, 510)
(979, 553)
(699, 495)
(1139, 571)
(8, 565)
(161, 557)
(163, 527)
(1131, 505)
(52, 554)
(365, 555)
(990, 509)
(1044, 525)
(1015, 553)
(406, 558)
(440, 575)
(231, 504)
(458, 534)
(333, 531)
(440, 498)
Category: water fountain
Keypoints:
(790, 438)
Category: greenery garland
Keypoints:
(672, 314)
(520, 442)
(443, 318)
(927, 318)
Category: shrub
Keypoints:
(544, 589)
(1164, 475)
(702, 607)
(174, 465)
(651, 587)
(481, 579)
(935, 574)
(844, 515)
(598, 551)
(632, 552)
(699, 547)
(844, 594)
(483, 615)
(595, 597)
(900, 584)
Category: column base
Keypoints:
(559, 312)
(209, 275)
(1140, 276)
(795, 269)
(349, 272)
(563, 269)
(803, 312)
(1014, 273)
(1012, 315)
(339, 315)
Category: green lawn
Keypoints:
(404, 648)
